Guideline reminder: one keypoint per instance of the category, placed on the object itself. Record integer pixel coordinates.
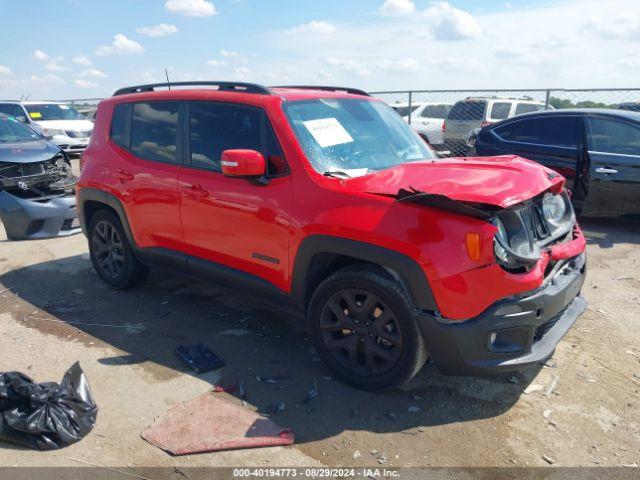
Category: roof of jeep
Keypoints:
(235, 89)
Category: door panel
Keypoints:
(561, 159)
(143, 171)
(614, 166)
(553, 141)
(614, 184)
(236, 222)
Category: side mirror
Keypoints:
(243, 163)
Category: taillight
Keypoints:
(444, 126)
(485, 124)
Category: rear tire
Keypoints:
(363, 327)
(111, 253)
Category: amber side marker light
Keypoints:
(473, 245)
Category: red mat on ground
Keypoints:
(210, 423)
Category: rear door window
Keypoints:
(154, 131)
(120, 122)
(468, 110)
(612, 136)
(554, 131)
(500, 110)
(216, 127)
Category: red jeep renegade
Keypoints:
(324, 203)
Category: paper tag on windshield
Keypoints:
(35, 115)
(328, 132)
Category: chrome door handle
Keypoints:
(606, 170)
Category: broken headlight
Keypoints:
(554, 208)
(526, 229)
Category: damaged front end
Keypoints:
(540, 228)
(37, 197)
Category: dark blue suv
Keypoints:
(597, 150)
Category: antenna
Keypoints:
(167, 75)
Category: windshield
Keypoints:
(11, 130)
(353, 136)
(53, 111)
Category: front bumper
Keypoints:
(54, 216)
(71, 146)
(527, 328)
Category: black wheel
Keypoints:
(362, 326)
(111, 253)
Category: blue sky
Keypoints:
(86, 48)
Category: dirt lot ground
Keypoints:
(580, 409)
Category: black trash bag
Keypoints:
(46, 416)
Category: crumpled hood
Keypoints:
(27, 152)
(497, 181)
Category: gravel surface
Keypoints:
(581, 408)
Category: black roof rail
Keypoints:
(226, 86)
(353, 91)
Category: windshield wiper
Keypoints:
(337, 174)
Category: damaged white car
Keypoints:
(36, 185)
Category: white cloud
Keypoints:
(40, 55)
(242, 73)
(625, 25)
(92, 73)
(450, 23)
(81, 60)
(349, 65)
(121, 46)
(217, 63)
(54, 67)
(229, 53)
(397, 8)
(314, 27)
(82, 83)
(46, 79)
(4, 70)
(160, 30)
(630, 62)
(405, 65)
(191, 8)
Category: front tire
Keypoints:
(111, 253)
(362, 325)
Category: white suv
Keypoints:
(476, 112)
(427, 118)
(60, 122)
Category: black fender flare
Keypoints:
(405, 269)
(85, 195)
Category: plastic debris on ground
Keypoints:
(199, 358)
(210, 423)
(46, 416)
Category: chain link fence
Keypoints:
(446, 118)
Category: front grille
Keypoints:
(70, 224)
(78, 133)
(546, 327)
(12, 170)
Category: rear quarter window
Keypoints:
(120, 121)
(500, 110)
(528, 107)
